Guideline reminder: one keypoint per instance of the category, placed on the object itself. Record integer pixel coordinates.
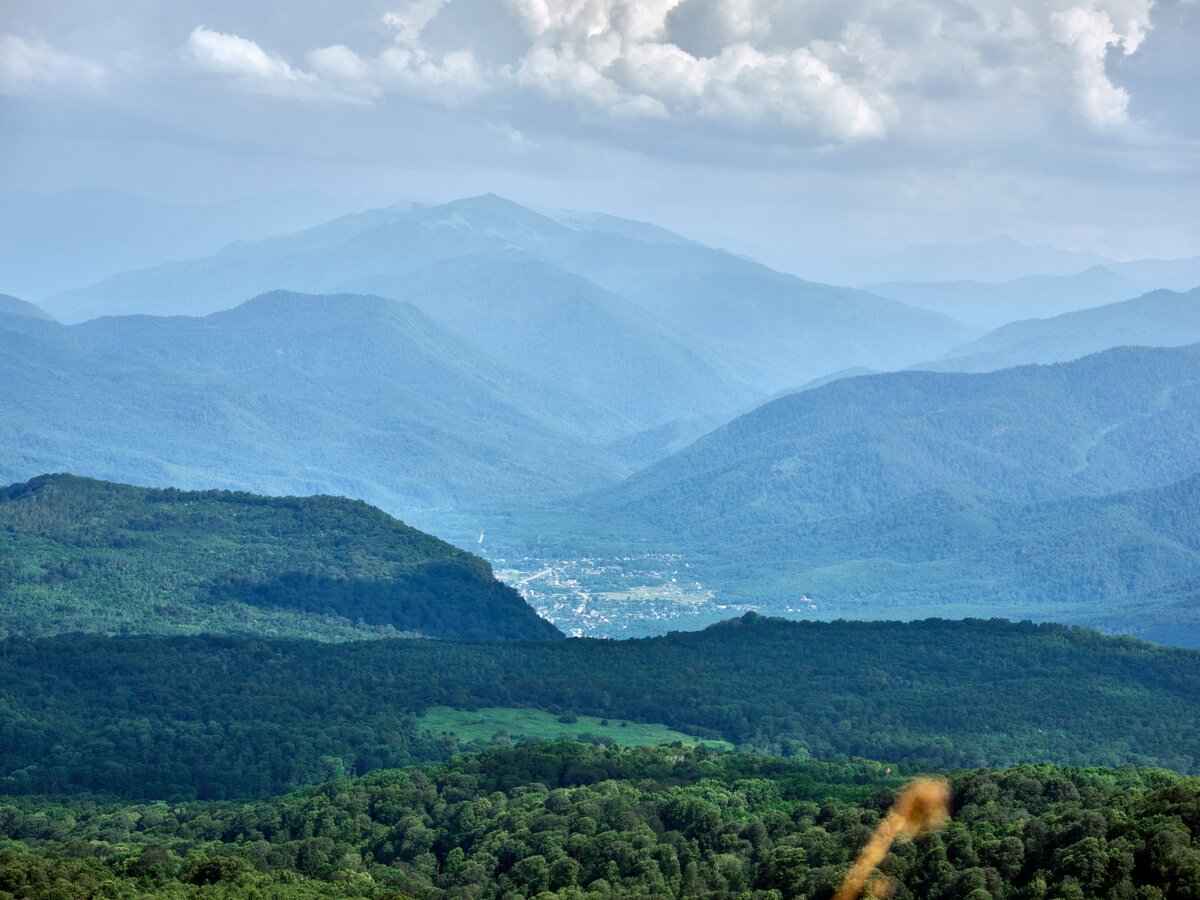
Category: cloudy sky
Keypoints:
(793, 128)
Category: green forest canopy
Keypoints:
(214, 717)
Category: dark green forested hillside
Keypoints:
(84, 555)
(222, 717)
(567, 821)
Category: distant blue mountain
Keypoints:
(1158, 319)
(1001, 258)
(294, 394)
(767, 330)
(12, 306)
(50, 243)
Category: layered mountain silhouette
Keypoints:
(1159, 319)
(769, 329)
(294, 394)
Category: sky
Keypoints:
(795, 130)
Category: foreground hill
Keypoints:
(560, 819)
(293, 394)
(1159, 319)
(84, 555)
(221, 717)
(787, 332)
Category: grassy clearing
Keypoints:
(482, 724)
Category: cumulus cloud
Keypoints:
(1089, 32)
(617, 56)
(340, 73)
(249, 65)
(825, 70)
(26, 65)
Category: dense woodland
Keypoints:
(565, 820)
(210, 717)
(84, 555)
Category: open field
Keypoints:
(482, 725)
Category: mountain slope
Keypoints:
(991, 304)
(562, 328)
(951, 494)
(292, 394)
(779, 331)
(1159, 319)
(771, 330)
(1000, 258)
(1121, 419)
(12, 306)
(1120, 562)
(50, 243)
(84, 555)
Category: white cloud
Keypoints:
(28, 64)
(340, 73)
(250, 66)
(1089, 32)
(616, 56)
(832, 71)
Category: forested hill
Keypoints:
(1122, 419)
(585, 823)
(1049, 492)
(231, 717)
(84, 555)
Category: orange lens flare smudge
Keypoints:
(921, 805)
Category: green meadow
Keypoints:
(483, 724)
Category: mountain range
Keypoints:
(994, 304)
(768, 329)
(1046, 491)
(50, 243)
(293, 394)
(1159, 319)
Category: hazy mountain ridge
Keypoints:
(559, 327)
(1028, 432)
(293, 394)
(797, 330)
(83, 555)
(1159, 319)
(14, 306)
(50, 243)
(998, 259)
(995, 304)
